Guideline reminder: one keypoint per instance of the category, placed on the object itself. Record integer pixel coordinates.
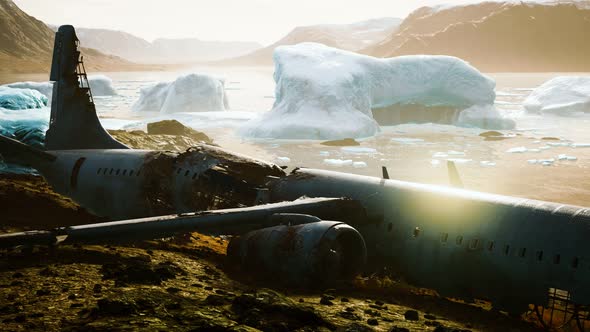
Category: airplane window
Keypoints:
(459, 240)
(444, 237)
(195, 176)
(575, 262)
(522, 252)
(506, 250)
(491, 246)
(130, 172)
(474, 244)
(556, 259)
(111, 172)
(98, 172)
(186, 173)
(105, 171)
(124, 172)
(539, 255)
(118, 171)
(416, 231)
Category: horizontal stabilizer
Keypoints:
(19, 153)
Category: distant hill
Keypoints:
(26, 45)
(495, 36)
(166, 51)
(352, 37)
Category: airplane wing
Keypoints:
(219, 222)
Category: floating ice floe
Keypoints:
(460, 160)
(283, 159)
(327, 93)
(440, 155)
(358, 150)
(544, 162)
(522, 149)
(566, 157)
(435, 162)
(455, 153)
(324, 153)
(580, 145)
(188, 93)
(338, 162)
(562, 95)
(559, 144)
(407, 140)
(359, 164)
(487, 163)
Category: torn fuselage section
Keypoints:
(202, 178)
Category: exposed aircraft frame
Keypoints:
(463, 244)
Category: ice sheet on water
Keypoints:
(562, 95)
(327, 93)
(188, 93)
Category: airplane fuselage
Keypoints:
(461, 243)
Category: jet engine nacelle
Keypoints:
(320, 251)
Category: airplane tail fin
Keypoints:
(15, 152)
(73, 123)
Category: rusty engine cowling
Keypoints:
(310, 251)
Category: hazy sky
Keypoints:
(264, 21)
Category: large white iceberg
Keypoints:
(326, 93)
(188, 93)
(23, 115)
(562, 95)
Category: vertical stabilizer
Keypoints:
(73, 123)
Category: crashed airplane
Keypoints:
(310, 224)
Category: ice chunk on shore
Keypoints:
(562, 95)
(188, 93)
(327, 93)
(21, 99)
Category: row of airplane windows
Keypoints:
(475, 244)
(125, 172)
(117, 171)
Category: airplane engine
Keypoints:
(310, 252)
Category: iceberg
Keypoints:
(327, 93)
(45, 88)
(100, 85)
(562, 95)
(188, 93)
(21, 99)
